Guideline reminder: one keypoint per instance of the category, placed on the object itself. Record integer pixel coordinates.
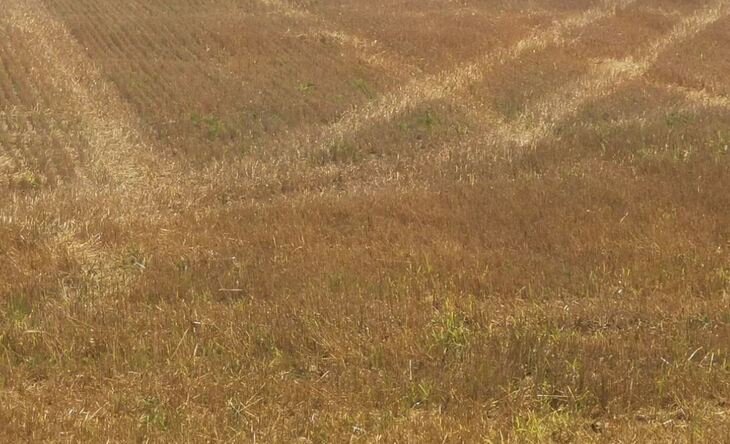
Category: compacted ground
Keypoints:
(365, 221)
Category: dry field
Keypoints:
(365, 221)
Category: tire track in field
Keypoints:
(605, 77)
(443, 85)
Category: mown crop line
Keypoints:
(604, 77)
(120, 165)
(438, 86)
(452, 82)
(448, 83)
(120, 154)
(297, 145)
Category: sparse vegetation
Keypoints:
(347, 221)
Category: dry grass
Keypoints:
(409, 221)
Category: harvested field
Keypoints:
(349, 221)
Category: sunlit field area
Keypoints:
(365, 221)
